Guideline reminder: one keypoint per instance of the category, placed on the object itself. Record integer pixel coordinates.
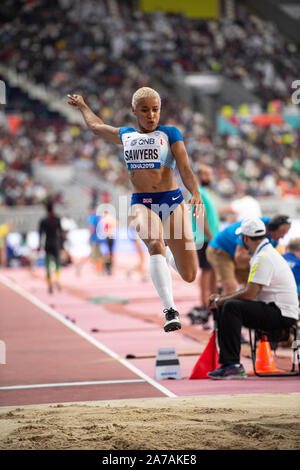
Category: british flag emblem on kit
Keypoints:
(147, 200)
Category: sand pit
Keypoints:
(260, 422)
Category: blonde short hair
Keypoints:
(144, 92)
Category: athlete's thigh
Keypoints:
(147, 223)
(179, 237)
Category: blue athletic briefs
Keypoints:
(163, 203)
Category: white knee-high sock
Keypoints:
(170, 258)
(162, 280)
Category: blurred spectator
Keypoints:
(51, 237)
(292, 256)
(93, 223)
(4, 230)
(92, 46)
(107, 54)
(258, 168)
(245, 206)
(108, 227)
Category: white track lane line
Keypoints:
(71, 384)
(19, 290)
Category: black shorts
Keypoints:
(203, 263)
(53, 252)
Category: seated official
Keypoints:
(268, 302)
(228, 256)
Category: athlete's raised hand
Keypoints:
(76, 101)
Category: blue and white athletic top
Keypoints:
(149, 150)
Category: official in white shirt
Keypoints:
(268, 302)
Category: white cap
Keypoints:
(252, 228)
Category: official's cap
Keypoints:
(252, 228)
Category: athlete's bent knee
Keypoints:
(190, 275)
(155, 247)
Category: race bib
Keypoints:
(142, 152)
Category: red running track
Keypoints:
(49, 353)
(42, 351)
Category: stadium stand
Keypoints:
(105, 50)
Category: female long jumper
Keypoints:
(158, 211)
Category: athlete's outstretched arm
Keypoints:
(186, 173)
(97, 126)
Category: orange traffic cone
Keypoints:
(264, 363)
(208, 361)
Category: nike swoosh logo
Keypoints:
(174, 198)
